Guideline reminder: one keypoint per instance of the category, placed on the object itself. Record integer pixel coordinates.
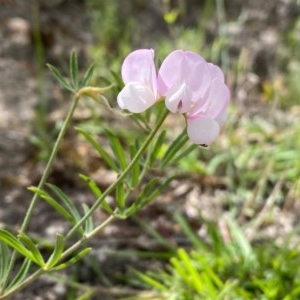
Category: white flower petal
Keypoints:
(136, 97)
(178, 99)
(202, 130)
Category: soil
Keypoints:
(64, 25)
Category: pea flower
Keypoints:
(140, 78)
(190, 85)
(196, 88)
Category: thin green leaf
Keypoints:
(96, 191)
(59, 78)
(13, 242)
(21, 275)
(151, 281)
(59, 208)
(149, 194)
(192, 273)
(184, 153)
(155, 192)
(135, 173)
(193, 238)
(208, 270)
(174, 148)
(4, 262)
(179, 268)
(157, 147)
(73, 260)
(105, 156)
(69, 205)
(87, 76)
(120, 197)
(215, 162)
(57, 252)
(92, 185)
(154, 233)
(140, 121)
(38, 258)
(88, 225)
(74, 69)
(141, 200)
(117, 149)
(241, 242)
(118, 79)
(147, 190)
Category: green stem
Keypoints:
(122, 176)
(99, 228)
(64, 255)
(50, 163)
(87, 237)
(22, 285)
(45, 175)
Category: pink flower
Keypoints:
(189, 84)
(196, 88)
(140, 78)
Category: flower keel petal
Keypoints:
(178, 99)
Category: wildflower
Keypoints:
(190, 85)
(140, 78)
(196, 88)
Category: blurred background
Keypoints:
(237, 205)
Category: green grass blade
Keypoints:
(69, 205)
(87, 76)
(174, 148)
(73, 260)
(151, 281)
(38, 258)
(193, 276)
(177, 266)
(116, 76)
(147, 190)
(88, 225)
(4, 262)
(13, 242)
(96, 191)
(21, 275)
(57, 252)
(243, 245)
(135, 173)
(74, 69)
(117, 148)
(161, 239)
(190, 234)
(157, 191)
(160, 141)
(105, 156)
(120, 197)
(184, 153)
(52, 202)
(60, 78)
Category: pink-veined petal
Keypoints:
(185, 67)
(202, 130)
(216, 101)
(136, 97)
(192, 64)
(178, 99)
(216, 71)
(200, 80)
(170, 72)
(139, 66)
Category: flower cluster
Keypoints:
(189, 85)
